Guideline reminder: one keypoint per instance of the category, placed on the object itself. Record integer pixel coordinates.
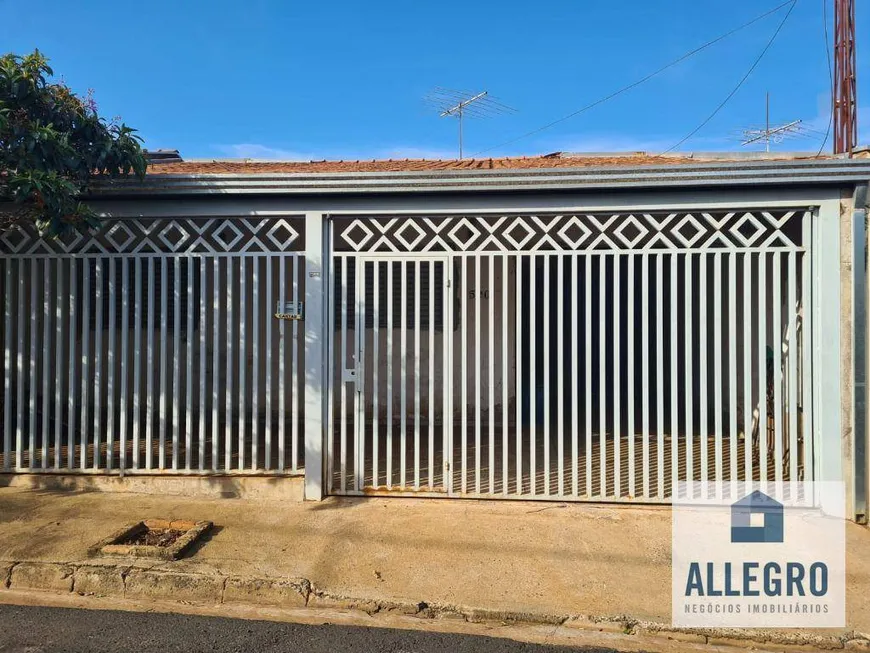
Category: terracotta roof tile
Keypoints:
(409, 165)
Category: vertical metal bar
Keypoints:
(688, 365)
(296, 426)
(587, 364)
(22, 311)
(504, 374)
(359, 356)
(137, 358)
(164, 342)
(243, 358)
(546, 290)
(73, 328)
(478, 382)
(746, 289)
(176, 363)
(704, 351)
(560, 372)
(645, 380)
(98, 367)
(46, 360)
(282, 400)
(793, 353)
(389, 372)
(807, 374)
(188, 351)
(149, 386)
(255, 363)
(215, 365)
(575, 396)
(717, 365)
(674, 344)
(631, 390)
(7, 387)
(447, 302)
(418, 292)
(86, 360)
(602, 373)
(314, 252)
(376, 364)
(202, 360)
(464, 373)
(518, 372)
(660, 378)
(110, 363)
(268, 364)
(343, 407)
(125, 360)
(490, 333)
(732, 368)
(431, 393)
(345, 267)
(777, 341)
(617, 391)
(403, 376)
(762, 368)
(34, 367)
(533, 368)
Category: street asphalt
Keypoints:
(48, 630)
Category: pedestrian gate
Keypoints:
(564, 356)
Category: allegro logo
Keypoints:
(770, 511)
(759, 555)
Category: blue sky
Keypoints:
(346, 79)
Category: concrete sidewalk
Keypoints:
(552, 560)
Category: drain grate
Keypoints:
(152, 538)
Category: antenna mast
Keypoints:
(462, 104)
(844, 91)
(458, 110)
(776, 134)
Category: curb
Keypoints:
(129, 582)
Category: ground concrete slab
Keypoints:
(470, 557)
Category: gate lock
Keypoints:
(289, 311)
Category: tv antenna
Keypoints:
(777, 134)
(463, 104)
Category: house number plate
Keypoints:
(289, 310)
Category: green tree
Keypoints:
(53, 144)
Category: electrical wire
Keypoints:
(641, 80)
(739, 84)
(830, 76)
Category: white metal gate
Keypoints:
(151, 346)
(569, 356)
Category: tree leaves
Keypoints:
(53, 144)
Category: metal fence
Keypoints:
(151, 346)
(578, 356)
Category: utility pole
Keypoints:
(844, 91)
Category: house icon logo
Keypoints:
(756, 518)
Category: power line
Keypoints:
(739, 84)
(642, 80)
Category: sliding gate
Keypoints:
(571, 356)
